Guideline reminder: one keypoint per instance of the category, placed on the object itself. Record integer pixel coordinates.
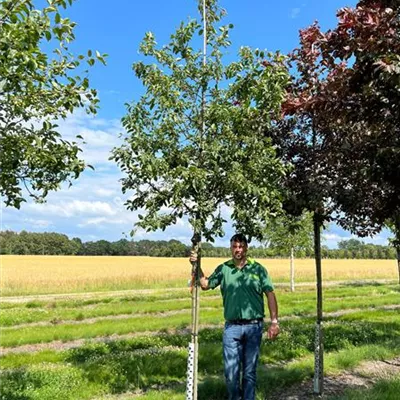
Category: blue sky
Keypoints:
(92, 208)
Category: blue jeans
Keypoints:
(241, 347)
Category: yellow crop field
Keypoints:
(67, 274)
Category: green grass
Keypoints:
(382, 316)
(47, 382)
(298, 303)
(274, 378)
(155, 365)
(349, 358)
(137, 364)
(384, 389)
(99, 299)
(170, 394)
(67, 332)
(14, 317)
(147, 316)
(306, 292)
(19, 360)
(115, 368)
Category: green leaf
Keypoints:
(42, 88)
(190, 170)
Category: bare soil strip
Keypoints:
(363, 376)
(64, 345)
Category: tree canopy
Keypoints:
(353, 94)
(191, 142)
(38, 87)
(342, 133)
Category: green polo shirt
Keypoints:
(242, 289)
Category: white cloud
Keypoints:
(99, 138)
(294, 12)
(334, 237)
(101, 192)
(38, 223)
(95, 157)
(93, 208)
(74, 208)
(101, 221)
(97, 143)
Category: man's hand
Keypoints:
(273, 331)
(193, 256)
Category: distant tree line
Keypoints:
(50, 243)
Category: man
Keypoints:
(243, 282)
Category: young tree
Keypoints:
(37, 88)
(191, 143)
(290, 235)
(357, 109)
(347, 87)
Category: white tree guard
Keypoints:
(190, 372)
(318, 360)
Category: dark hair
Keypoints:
(239, 237)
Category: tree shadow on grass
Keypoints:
(212, 388)
(277, 379)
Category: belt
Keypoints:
(245, 321)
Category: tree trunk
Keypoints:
(196, 247)
(319, 341)
(193, 356)
(397, 240)
(291, 269)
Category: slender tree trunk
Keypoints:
(319, 341)
(191, 389)
(397, 240)
(193, 356)
(291, 269)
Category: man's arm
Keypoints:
(273, 329)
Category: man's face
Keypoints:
(239, 250)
